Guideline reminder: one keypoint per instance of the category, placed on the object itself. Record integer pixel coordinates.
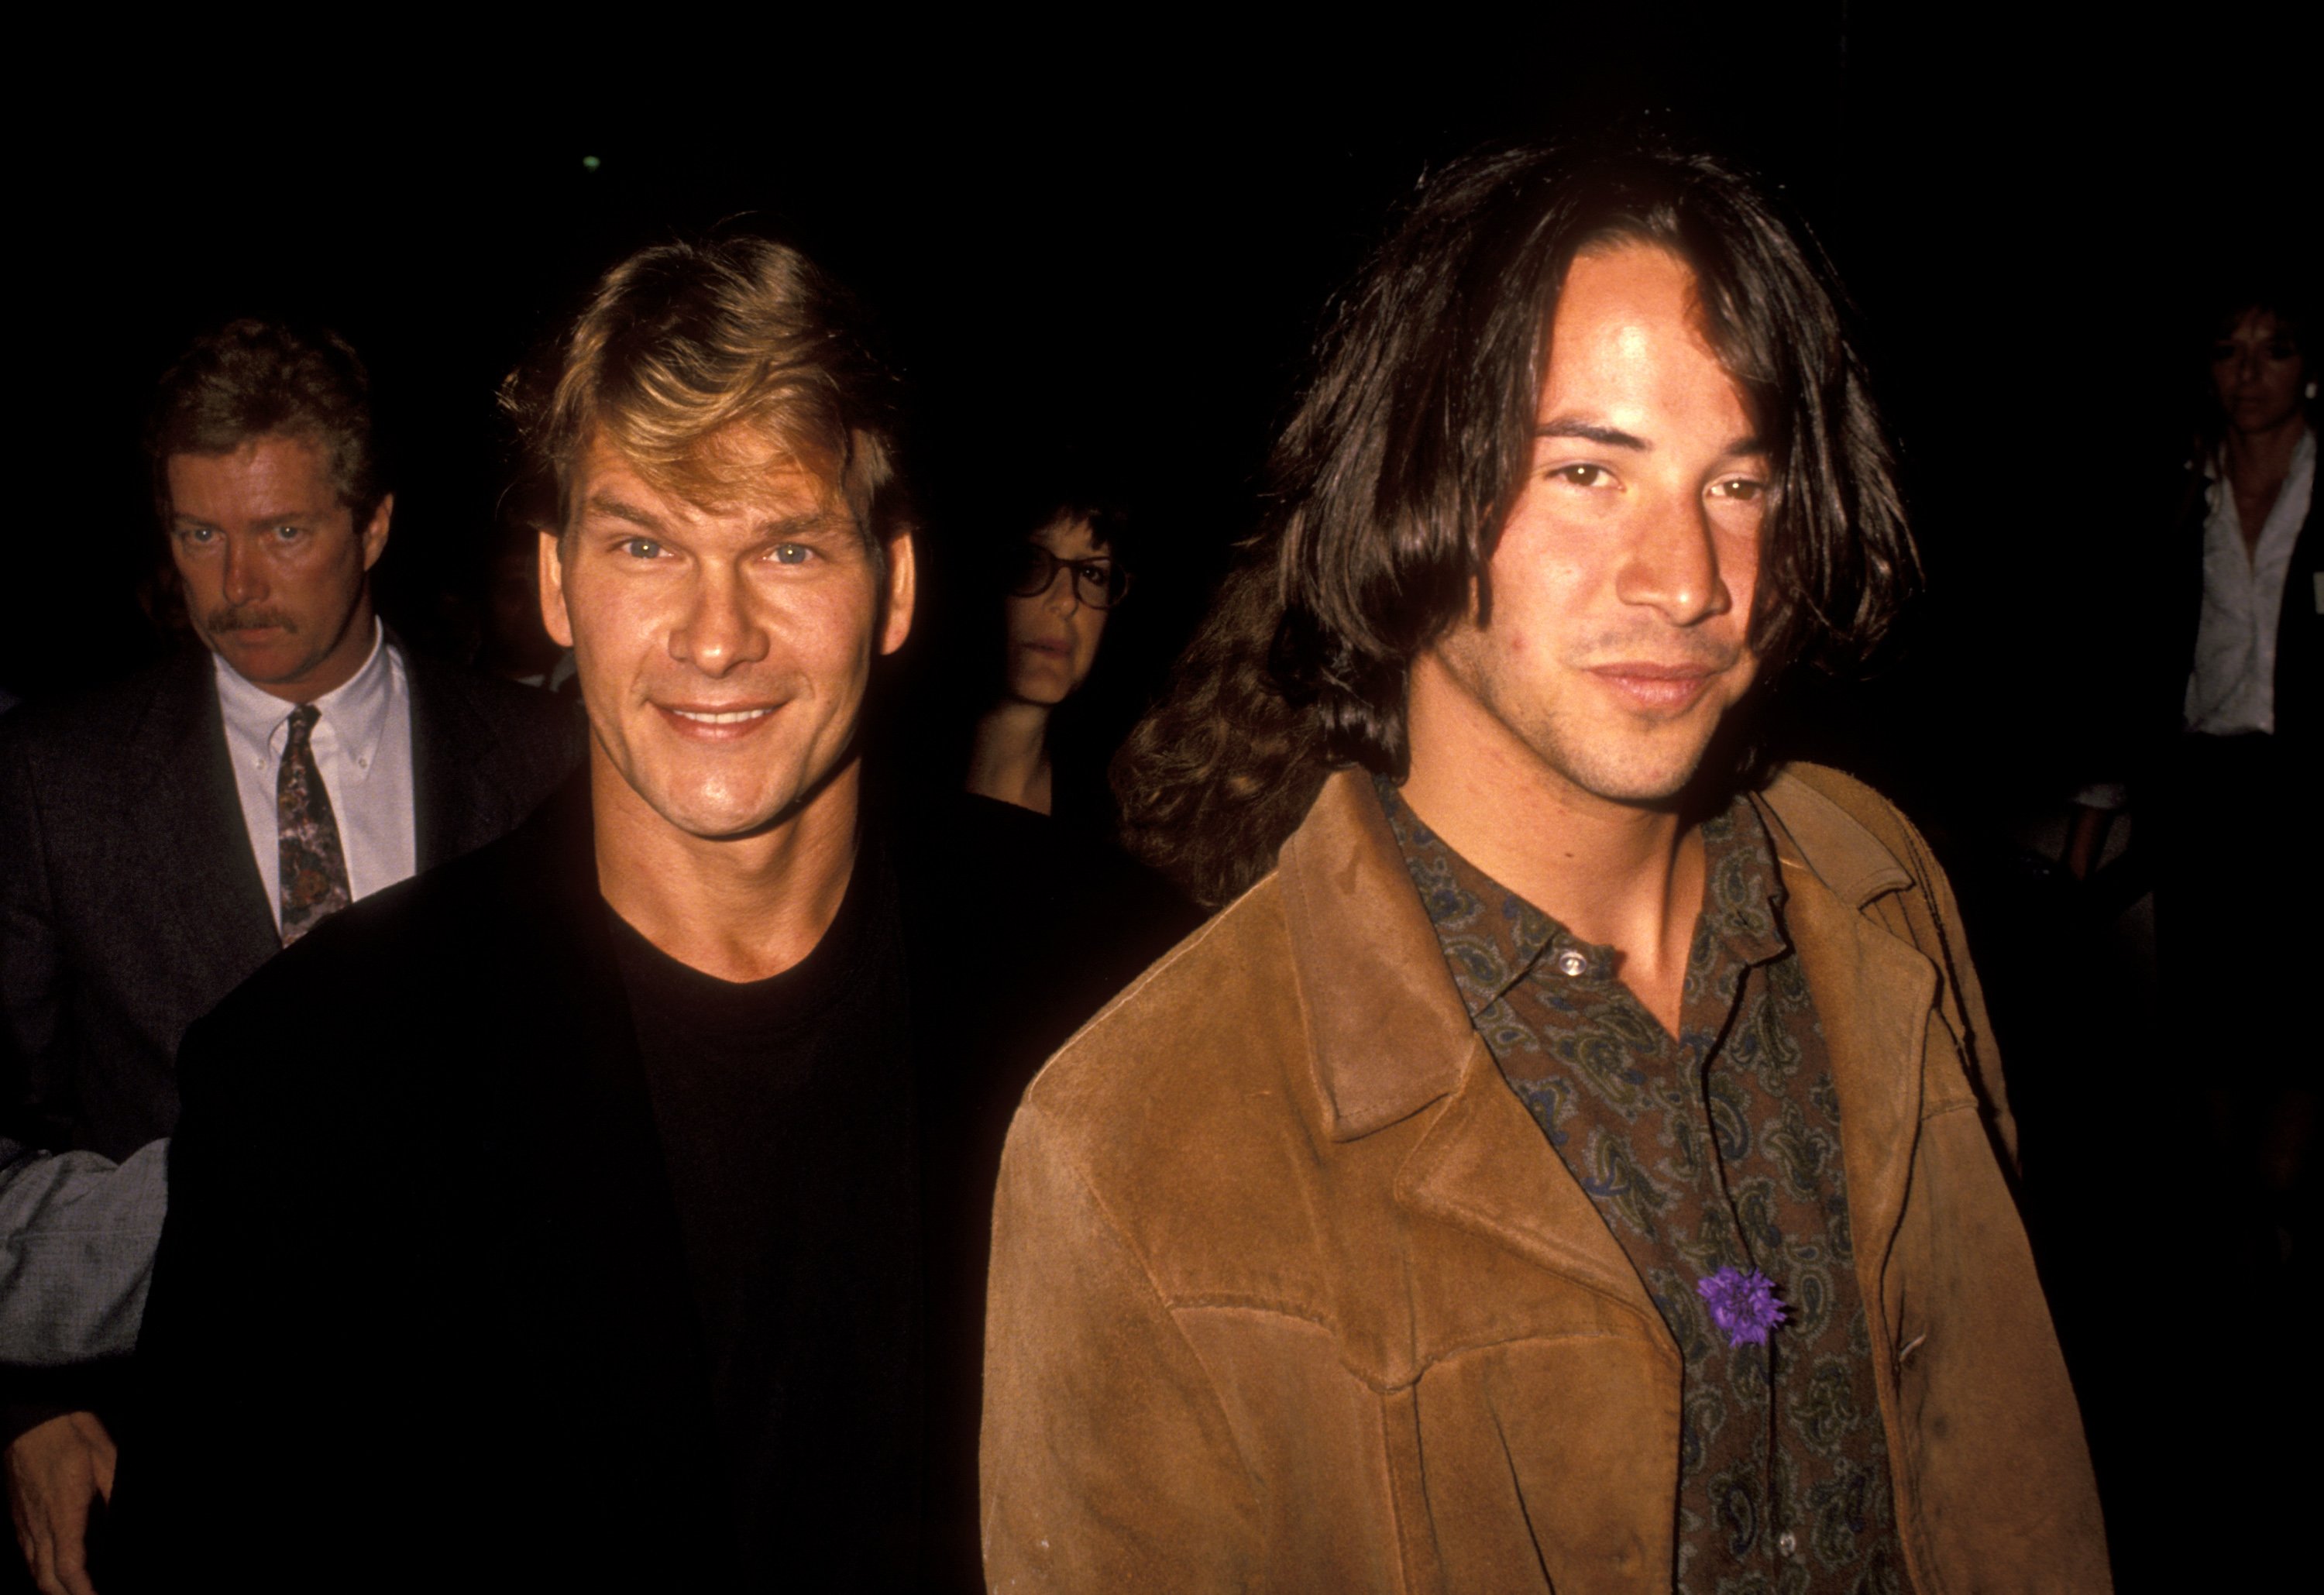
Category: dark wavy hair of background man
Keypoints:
(1390, 487)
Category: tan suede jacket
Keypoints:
(1289, 1292)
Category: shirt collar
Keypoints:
(1493, 939)
(356, 710)
(1742, 885)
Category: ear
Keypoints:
(902, 586)
(374, 531)
(553, 618)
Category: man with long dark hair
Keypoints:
(1574, 1156)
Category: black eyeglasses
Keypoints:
(1099, 583)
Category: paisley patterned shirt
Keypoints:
(1717, 1148)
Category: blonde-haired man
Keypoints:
(600, 1263)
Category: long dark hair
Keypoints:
(1390, 486)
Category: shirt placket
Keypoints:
(1748, 1370)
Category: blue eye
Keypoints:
(790, 553)
(641, 548)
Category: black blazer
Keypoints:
(421, 1317)
(130, 901)
(428, 1289)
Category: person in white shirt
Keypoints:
(161, 836)
(2262, 481)
(2225, 781)
(2234, 897)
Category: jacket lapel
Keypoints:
(1483, 1166)
(454, 810)
(599, 1260)
(1389, 1038)
(198, 844)
(1874, 995)
(1388, 1033)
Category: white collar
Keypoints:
(356, 710)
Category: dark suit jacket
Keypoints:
(130, 901)
(421, 1317)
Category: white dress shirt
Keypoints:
(2232, 688)
(362, 746)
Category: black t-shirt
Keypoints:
(787, 1121)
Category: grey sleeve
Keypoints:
(76, 1238)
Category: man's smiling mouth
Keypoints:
(723, 716)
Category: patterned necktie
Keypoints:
(314, 873)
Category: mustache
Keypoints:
(1684, 650)
(233, 619)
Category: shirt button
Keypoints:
(1570, 963)
(1787, 1542)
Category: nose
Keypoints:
(1062, 595)
(1672, 566)
(720, 630)
(244, 578)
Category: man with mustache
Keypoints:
(1574, 1156)
(162, 838)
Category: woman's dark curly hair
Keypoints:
(1390, 487)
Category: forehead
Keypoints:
(2257, 326)
(1628, 332)
(742, 481)
(1069, 538)
(275, 471)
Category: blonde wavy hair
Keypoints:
(707, 365)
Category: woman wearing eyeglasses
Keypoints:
(1063, 582)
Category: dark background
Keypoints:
(1115, 259)
(1107, 255)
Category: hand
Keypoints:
(55, 1469)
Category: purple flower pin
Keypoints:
(1743, 1304)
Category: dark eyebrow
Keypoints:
(1591, 432)
(1615, 438)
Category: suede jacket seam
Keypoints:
(1381, 1384)
(1120, 1236)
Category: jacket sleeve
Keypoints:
(34, 1050)
(1106, 1458)
(237, 1399)
(37, 1097)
